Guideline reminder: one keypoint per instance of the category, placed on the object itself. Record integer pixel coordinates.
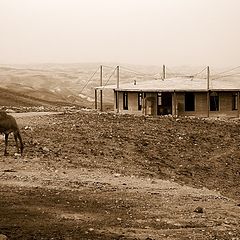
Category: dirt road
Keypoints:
(87, 175)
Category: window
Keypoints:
(139, 101)
(125, 101)
(189, 102)
(159, 99)
(235, 101)
(214, 101)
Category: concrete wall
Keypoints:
(201, 110)
(132, 103)
(225, 105)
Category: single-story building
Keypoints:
(179, 96)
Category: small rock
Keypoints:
(45, 149)
(199, 210)
(17, 155)
(28, 128)
(3, 237)
(119, 219)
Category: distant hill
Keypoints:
(75, 83)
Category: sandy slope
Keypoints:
(87, 175)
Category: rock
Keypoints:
(3, 237)
(198, 210)
(17, 155)
(28, 128)
(45, 149)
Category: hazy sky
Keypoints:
(172, 32)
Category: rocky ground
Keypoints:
(90, 175)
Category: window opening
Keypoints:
(159, 99)
(125, 101)
(139, 101)
(235, 101)
(189, 102)
(214, 101)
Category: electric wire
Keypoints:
(109, 77)
(228, 70)
(229, 75)
(89, 80)
(137, 72)
(200, 72)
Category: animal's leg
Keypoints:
(21, 142)
(16, 141)
(6, 144)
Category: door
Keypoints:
(164, 103)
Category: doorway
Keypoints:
(164, 103)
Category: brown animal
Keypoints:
(9, 125)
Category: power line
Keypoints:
(137, 72)
(175, 74)
(110, 77)
(108, 66)
(89, 80)
(200, 72)
(229, 75)
(227, 70)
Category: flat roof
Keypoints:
(177, 84)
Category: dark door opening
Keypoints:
(189, 102)
(214, 101)
(164, 103)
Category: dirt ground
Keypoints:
(90, 175)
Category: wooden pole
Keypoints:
(175, 103)
(101, 92)
(164, 71)
(95, 98)
(238, 103)
(208, 91)
(117, 92)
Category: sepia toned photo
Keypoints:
(119, 120)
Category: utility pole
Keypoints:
(208, 91)
(95, 98)
(117, 92)
(164, 72)
(238, 103)
(101, 84)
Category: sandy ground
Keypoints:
(87, 175)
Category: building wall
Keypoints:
(200, 105)
(132, 103)
(201, 109)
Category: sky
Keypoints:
(146, 32)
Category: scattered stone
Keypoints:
(198, 210)
(45, 149)
(17, 155)
(3, 237)
(28, 128)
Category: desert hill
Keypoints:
(73, 84)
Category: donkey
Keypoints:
(9, 125)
